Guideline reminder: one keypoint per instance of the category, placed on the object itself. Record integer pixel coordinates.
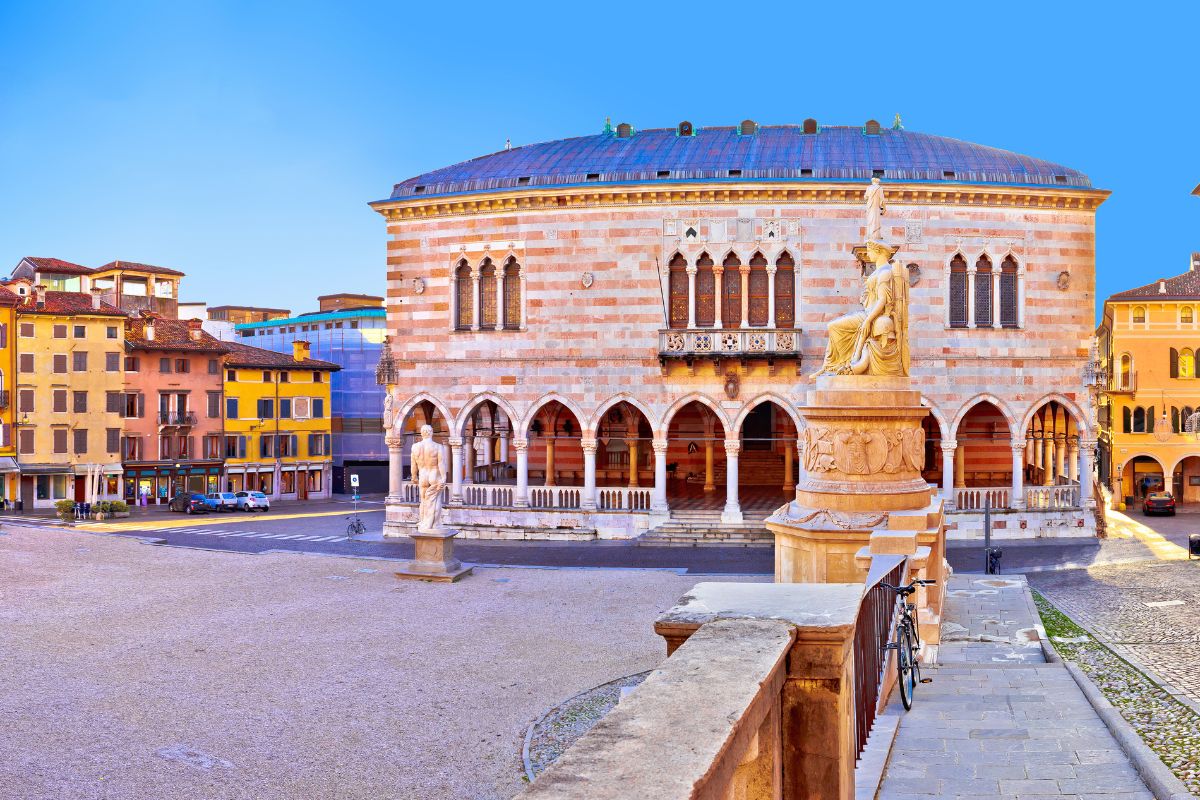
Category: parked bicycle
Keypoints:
(356, 527)
(908, 641)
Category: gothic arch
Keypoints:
(1069, 405)
(460, 422)
(765, 397)
(415, 400)
(705, 400)
(591, 425)
(937, 414)
(536, 406)
(986, 398)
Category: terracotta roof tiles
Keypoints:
(1185, 285)
(243, 355)
(170, 334)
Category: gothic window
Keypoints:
(785, 291)
(983, 292)
(512, 294)
(463, 288)
(958, 292)
(1126, 373)
(706, 289)
(487, 293)
(1139, 315)
(731, 308)
(1008, 293)
(677, 290)
(760, 297)
(1139, 420)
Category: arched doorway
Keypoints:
(983, 459)
(555, 446)
(766, 464)
(1051, 459)
(486, 434)
(1139, 476)
(624, 455)
(423, 413)
(695, 456)
(1185, 482)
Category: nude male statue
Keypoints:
(429, 474)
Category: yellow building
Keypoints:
(69, 350)
(9, 475)
(277, 424)
(1149, 340)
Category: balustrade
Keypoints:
(560, 497)
(976, 498)
(1051, 498)
(872, 632)
(716, 342)
(624, 499)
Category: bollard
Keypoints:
(1193, 546)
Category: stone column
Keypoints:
(949, 448)
(691, 273)
(469, 459)
(960, 466)
(1047, 460)
(996, 297)
(521, 497)
(971, 297)
(709, 486)
(500, 304)
(550, 461)
(504, 448)
(745, 271)
(476, 311)
(718, 275)
(1060, 457)
(733, 510)
(588, 501)
(658, 502)
(395, 446)
(524, 295)
(456, 445)
(1087, 500)
(1073, 461)
(771, 270)
(633, 459)
(1018, 474)
(1038, 444)
(789, 485)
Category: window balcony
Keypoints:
(715, 344)
(1123, 384)
(176, 419)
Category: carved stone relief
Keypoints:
(862, 451)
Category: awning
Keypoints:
(107, 469)
(8, 464)
(44, 469)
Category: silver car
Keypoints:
(253, 501)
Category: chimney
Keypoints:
(300, 350)
(195, 329)
(1195, 262)
(148, 330)
(96, 298)
(1162, 285)
(39, 295)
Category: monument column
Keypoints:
(745, 271)
(395, 446)
(718, 274)
(456, 445)
(733, 510)
(949, 448)
(1018, 474)
(691, 273)
(588, 501)
(521, 497)
(771, 270)
(658, 502)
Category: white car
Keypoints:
(222, 501)
(253, 501)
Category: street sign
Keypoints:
(354, 480)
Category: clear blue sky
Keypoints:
(241, 141)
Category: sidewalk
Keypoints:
(998, 721)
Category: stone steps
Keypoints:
(674, 534)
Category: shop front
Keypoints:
(157, 483)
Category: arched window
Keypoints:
(983, 292)
(1009, 318)
(1139, 315)
(1139, 420)
(1185, 315)
(706, 289)
(731, 289)
(760, 291)
(512, 294)
(677, 288)
(958, 292)
(785, 291)
(1126, 373)
(463, 296)
(1187, 363)
(487, 292)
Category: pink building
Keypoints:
(173, 425)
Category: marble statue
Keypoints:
(875, 209)
(388, 403)
(873, 340)
(429, 474)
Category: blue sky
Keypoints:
(241, 141)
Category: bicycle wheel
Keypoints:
(904, 667)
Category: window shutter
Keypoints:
(295, 446)
(1125, 420)
(328, 451)
(1174, 419)
(141, 405)
(241, 451)
(4, 335)
(1174, 363)
(1150, 420)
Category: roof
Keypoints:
(773, 153)
(243, 355)
(316, 316)
(134, 266)
(250, 308)
(57, 265)
(170, 334)
(8, 297)
(1185, 286)
(67, 304)
(349, 294)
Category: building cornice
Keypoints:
(559, 198)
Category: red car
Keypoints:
(1158, 503)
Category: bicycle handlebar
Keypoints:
(910, 588)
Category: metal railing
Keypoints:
(180, 418)
(872, 631)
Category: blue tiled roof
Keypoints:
(775, 152)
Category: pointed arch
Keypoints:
(785, 289)
(939, 417)
(536, 406)
(956, 300)
(731, 290)
(412, 402)
(460, 422)
(1070, 406)
(1000, 405)
(592, 424)
(706, 288)
(677, 291)
(766, 397)
(697, 397)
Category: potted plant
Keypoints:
(100, 510)
(119, 508)
(65, 509)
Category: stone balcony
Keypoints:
(738, 344)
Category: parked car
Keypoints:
(253, 501)
(221, 501)
(189, 503)
(1159, 503)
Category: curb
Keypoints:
(1161, 782)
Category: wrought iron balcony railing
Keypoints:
(177, 418)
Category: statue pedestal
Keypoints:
(434, 558)
(864, 449)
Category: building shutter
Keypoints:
(1174, 363)
(141, 405)
(328, 450)
(1150, 420)
(295, 446)
(318, 408)
(1174, 419)
(241, 449)
(285, 408)
(1125, 420)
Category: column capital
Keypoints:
(1019, 444)
(588, 445)
(393, 442)
(772, 269)
(520, 444)
(732, 447)
(691, 269)
(949, 445)
(718, 269)
(659, 446)
(744, 269)
(455, 441)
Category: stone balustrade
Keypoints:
(1052, 497)
(976, 498)
(623, 499)
(564, 497)
(730, 342)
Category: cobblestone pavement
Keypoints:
(1145, 612)
(998, 721)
